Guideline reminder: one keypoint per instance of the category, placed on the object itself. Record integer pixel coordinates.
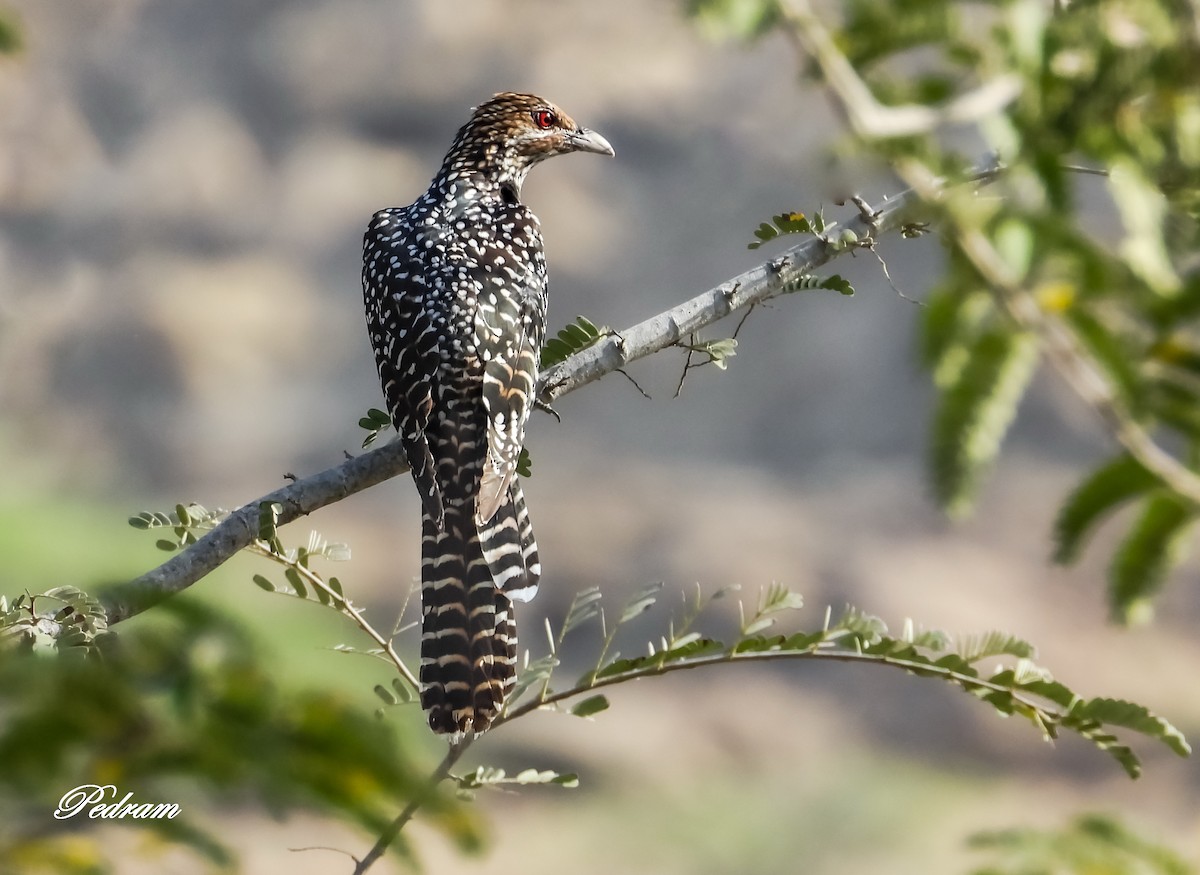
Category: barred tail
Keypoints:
(468, 636)
(510, 549)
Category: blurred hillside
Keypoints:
(183, 189)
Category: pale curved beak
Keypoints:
(585, 140)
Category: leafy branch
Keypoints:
(1026, 280)
(73, 627)
(608, 353)
(190, 523)
(995, 668)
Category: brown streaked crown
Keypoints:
(510, 133)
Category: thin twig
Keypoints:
(742, 321)
(624, 373)
(345, 606)
(388, 836)
(687, 364)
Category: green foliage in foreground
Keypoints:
(179, 709)
(1092, 845)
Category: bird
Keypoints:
(454, 288)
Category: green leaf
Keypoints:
(838, 283)
(534, 776)
(808, 281)
(1154, 546)
(975, 412)
(403, 691)
(764, 233)
(268, 521)
(1116, 355)
(297, 582)
(590, 706)
(641, 602)
(575, 337)
(535, 673)
(524, 464)
(386, 695)
(262, 583)
(784, 223)
(1101, 493)
(973, 648)
(718, 351)
(584, 606)
(1143, 208)
(951, 323)
(1014, 243)
(486, 776)
(1118, 712)
(374, 422)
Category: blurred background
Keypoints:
(183, 189)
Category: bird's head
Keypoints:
(510, 133)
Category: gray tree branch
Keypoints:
(657, 333)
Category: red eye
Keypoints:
(544, 118)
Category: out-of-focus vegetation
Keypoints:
(10, 33)
(1057, 93)
(1093, 844)
(182, 707)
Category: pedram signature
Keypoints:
(91, 798)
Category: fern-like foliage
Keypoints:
(488, 777)
(1154, 545)
(835, 282)
(718, 352)
(788, 223)
(71, 623)
(974, 412)
(1104, 491)
(995, 668)
(300, 580)
(574, 337)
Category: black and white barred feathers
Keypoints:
(455, 293)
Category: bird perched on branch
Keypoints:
(455, 293)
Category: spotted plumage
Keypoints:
(455, 293)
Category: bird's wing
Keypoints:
(510, 325)
(395, 290)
